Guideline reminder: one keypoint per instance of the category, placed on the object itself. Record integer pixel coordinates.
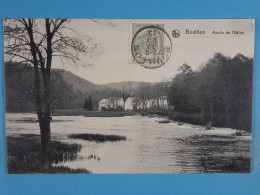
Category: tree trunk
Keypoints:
(45, 141)
(158, 107)
(202, 118)
(45, 121)
(43, 113)
(43, 117)
(211, 115)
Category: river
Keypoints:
(150, 147)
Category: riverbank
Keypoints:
(192, 119)
(180, 118)
(92, 113)
(24, 154)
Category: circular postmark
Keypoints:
(151, 47)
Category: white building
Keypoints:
(153, 103)
(104, 104)
(132, 103)
(163, 102)
(111, 104)
(117, 103)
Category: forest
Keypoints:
(20, 88)
(219, 92)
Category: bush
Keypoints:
(97, 137)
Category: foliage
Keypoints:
(24, 155)
(37, 42)
(220, 92)
(90, 106)
(86, 104)
(20, 90)
(97, 137)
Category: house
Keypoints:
(163, 102)
(132, 103)
(117, 103)
(104, 104)
(141, 105)
(111, 104)
(153, 103)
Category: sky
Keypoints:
(114, 36)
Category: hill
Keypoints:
(125, 85)
(78, 83)
(85, 86)
(69, 89)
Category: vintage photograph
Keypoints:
(128, 96)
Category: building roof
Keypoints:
(103, 101)
(131, 99)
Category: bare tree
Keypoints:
(38, 41)
(130, 88)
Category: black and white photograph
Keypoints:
(128, 96)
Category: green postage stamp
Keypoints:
(150, 45)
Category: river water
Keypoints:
(151, 147)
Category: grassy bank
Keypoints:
(24, 155)
(154, 112)
(94, 113)
(197, 119)
(97, 137)
(192, 118)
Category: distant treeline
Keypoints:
(219, 92)
(20, 89)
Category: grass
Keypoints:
(97, 137)
(164, 121)
(194, 118)
(94, 113)
(24, 155)
(154, 112)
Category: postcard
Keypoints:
(120, 96)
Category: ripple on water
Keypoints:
(150, 147)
